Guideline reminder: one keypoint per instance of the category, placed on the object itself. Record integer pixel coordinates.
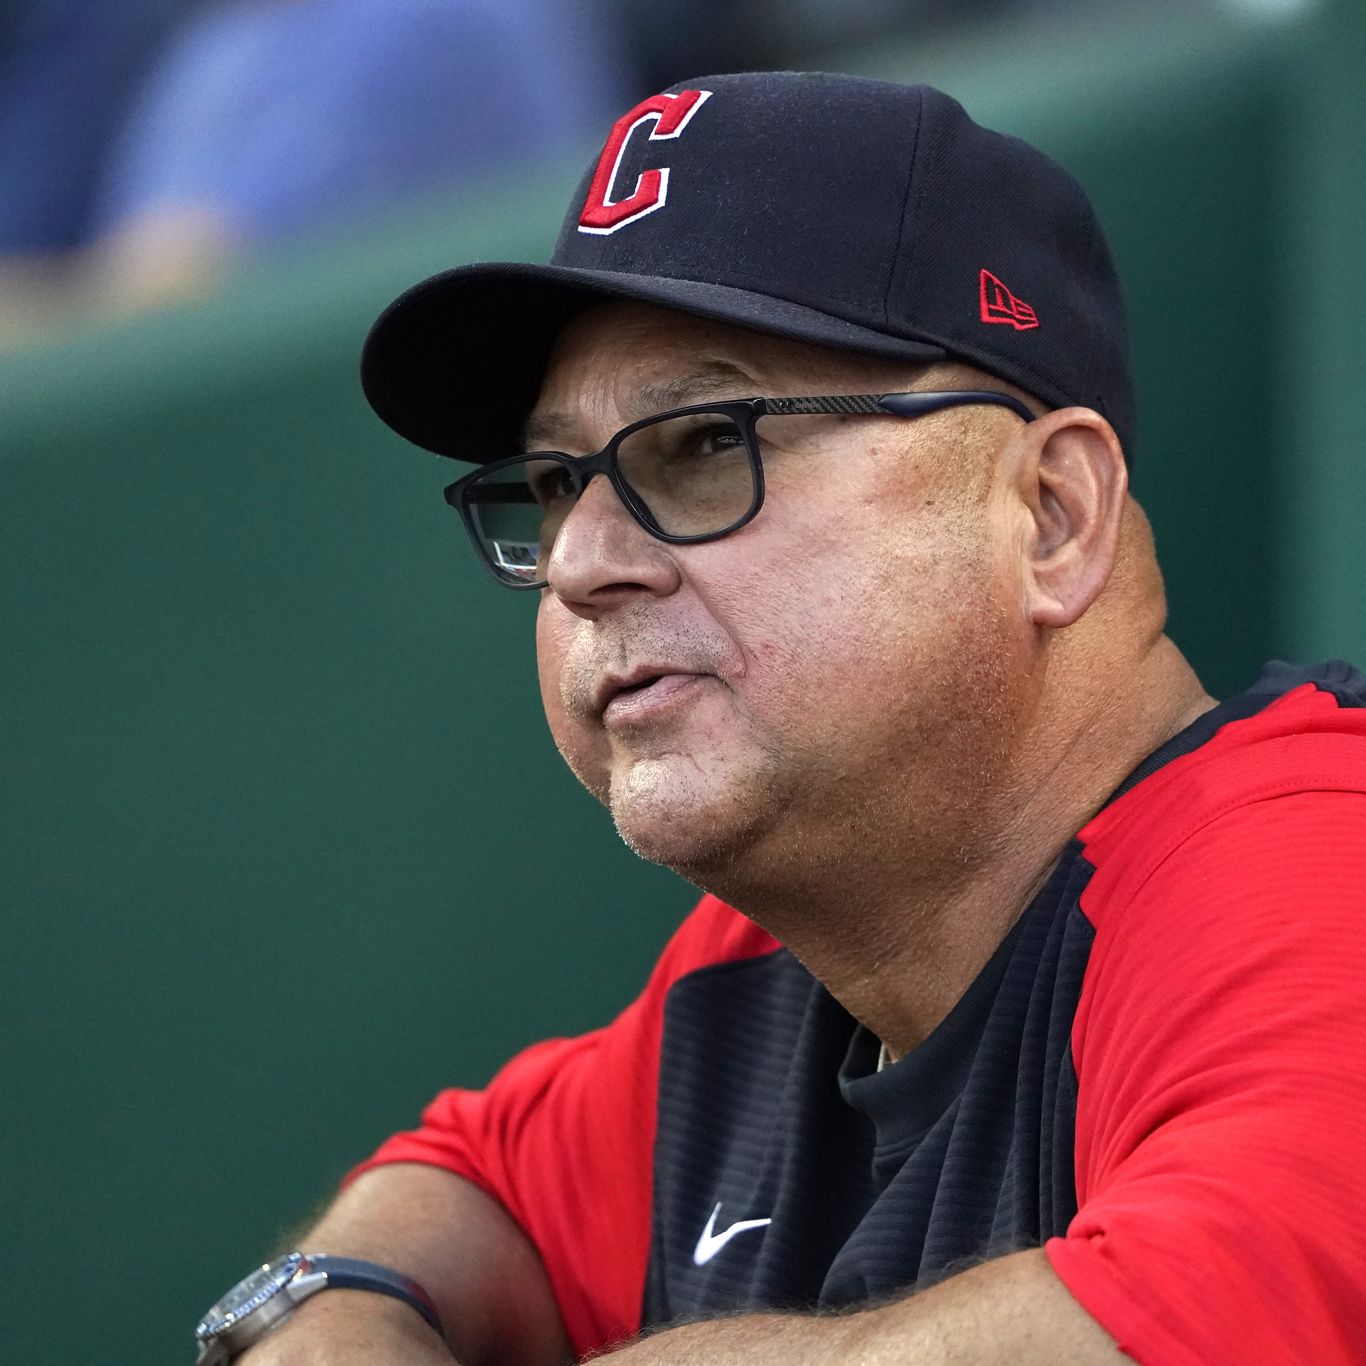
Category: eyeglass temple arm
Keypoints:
(898, 405)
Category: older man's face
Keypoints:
(768, 696)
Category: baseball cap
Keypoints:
(855, 214)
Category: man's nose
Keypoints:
(602, 557)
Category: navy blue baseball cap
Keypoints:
(851, 213)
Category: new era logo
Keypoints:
(999, 305)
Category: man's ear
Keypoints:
(1071, 481)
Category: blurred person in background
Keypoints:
(264, 121)
(268, 119)
(69, 72)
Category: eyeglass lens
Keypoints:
(689, 475)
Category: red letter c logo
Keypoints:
(670, 113)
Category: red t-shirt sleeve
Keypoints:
(563, 1138)
(1220, 1049)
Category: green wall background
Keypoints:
(283, 845)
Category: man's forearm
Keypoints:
(1010, 1312)
(460, 1245)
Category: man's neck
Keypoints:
(896, 935)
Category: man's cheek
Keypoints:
(582, 743)
(551, 665)
(590, 763)
(578, 738)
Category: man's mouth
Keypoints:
(637, 687)
(642, 694)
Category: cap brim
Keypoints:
(455, 363)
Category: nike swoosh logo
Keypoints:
(711, 1242)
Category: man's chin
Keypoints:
(679, 819)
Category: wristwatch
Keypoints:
(271, 1294)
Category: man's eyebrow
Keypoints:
(713, 380)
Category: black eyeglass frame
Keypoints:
(745, 413)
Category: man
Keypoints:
(1035, 1033)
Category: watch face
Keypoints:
(248, 1295)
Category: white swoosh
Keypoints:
(711, 1242)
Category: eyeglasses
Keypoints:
(693, 474)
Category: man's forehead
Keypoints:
(619, 362)
(647, 337)
(559, 413)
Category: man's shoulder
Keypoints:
(1298, 733)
